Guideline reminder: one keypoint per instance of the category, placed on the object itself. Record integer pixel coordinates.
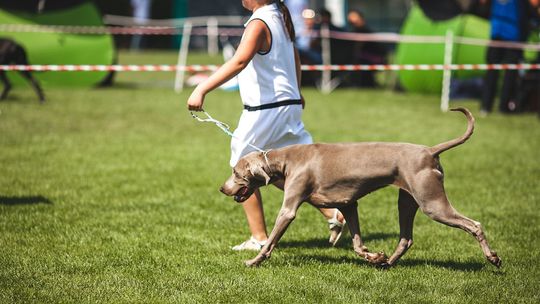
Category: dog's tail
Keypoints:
(440, 148)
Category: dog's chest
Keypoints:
(338, 198)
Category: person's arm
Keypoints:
(298, 66)
(251, 43)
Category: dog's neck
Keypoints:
(274, 165)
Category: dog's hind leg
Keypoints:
(21, 58)
(407, 208)
(350, 212)
(35, 85)
(7, 85)
(430, 195)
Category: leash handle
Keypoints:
(225, 128)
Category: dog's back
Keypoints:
(11, 52)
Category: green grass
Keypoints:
(110, 195)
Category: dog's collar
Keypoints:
(265, 154)
(268, 167)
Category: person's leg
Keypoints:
(490, 81)
(508, 100)
(328, 213)
(255, 216)
(336, 223)
(257, 226)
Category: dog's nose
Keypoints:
(221, 189)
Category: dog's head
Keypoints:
(248, 175)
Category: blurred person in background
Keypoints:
(364, 52)
(509, 20)
(323, 18)
(268, 70)
(339, 48)
(303, 39)
(308, 54)
(296, 8)
(141, 14)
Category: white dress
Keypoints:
(269, 78)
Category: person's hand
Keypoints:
(195, 101)
(303, 101)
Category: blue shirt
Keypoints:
(506, 20)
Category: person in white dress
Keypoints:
(268, 69)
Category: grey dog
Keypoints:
(337, 175)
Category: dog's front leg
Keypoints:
(7, 85)
(350, 212)
(285, 217)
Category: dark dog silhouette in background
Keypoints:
(13, 53)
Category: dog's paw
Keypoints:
(378, 258)
(253, 262)
(495, 260)
(384, 265)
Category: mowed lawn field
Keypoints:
(111, 195)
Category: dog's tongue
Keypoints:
(244, 191)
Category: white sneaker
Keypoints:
(251, 244)
(336, 229)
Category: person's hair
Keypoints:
(287, 19)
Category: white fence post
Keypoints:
(182, 57)
(447, 73)
(326, 85)
(212, 32)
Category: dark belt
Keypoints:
(273, 105)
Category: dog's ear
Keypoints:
(257, 170)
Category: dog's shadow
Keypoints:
(409, 263)
(450, 265)
(24, 200)
(345, 241)
(405, 262)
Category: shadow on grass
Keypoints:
(24, 200)
(345, 241)
(345, 244)
(409, 263)
(451, 265)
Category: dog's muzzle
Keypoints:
(242, 195)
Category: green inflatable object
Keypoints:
(62, 48)
(415, 53)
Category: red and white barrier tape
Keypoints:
(205, 68)
(170, 30)
(391, 37)
(113, 30)
(108, 68)
(421, 67)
